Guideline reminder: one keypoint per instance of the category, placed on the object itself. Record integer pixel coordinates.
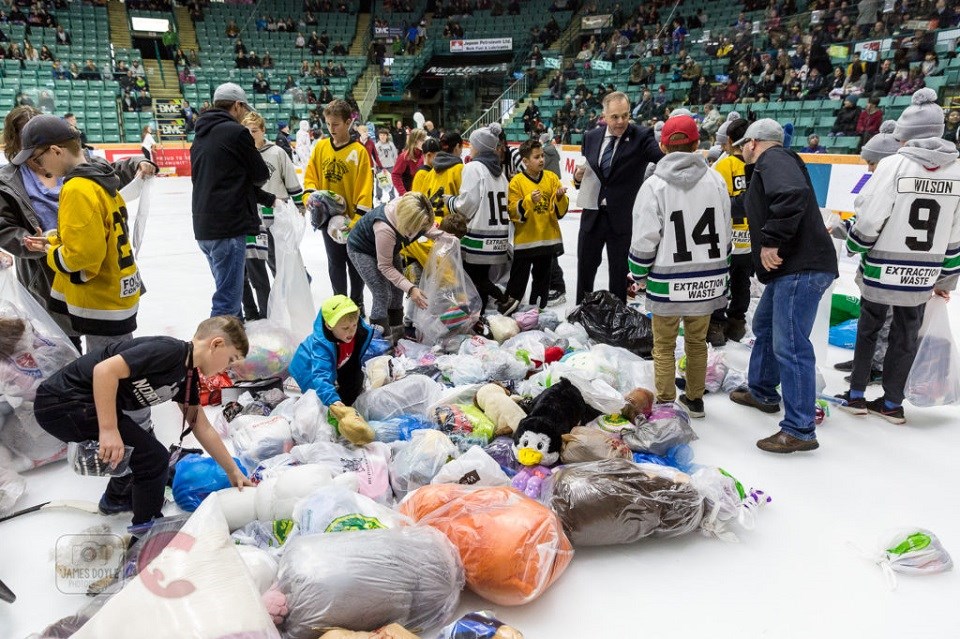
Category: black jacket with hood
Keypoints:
(226, 170)
(782, 211)
(18, 220)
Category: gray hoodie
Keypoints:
(682, 170)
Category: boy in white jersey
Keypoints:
(679, 253)
(908, 234)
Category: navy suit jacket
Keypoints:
(636, 148)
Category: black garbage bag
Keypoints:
(610, 321)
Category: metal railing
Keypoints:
(496, 113)
(369, 98)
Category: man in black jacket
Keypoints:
(795, 257)
(615, 158)
(227, 171)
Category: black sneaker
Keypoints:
(694, 406)
(853, 406)
(508, 306)
(555, 298)
(715, 334)
(892, 415)
(876, 378)
(108, 506)
(846, 367)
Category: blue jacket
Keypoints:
(314, 365)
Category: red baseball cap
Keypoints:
(677, 126)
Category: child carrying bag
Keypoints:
(934, 378)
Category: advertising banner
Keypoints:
(481, 45)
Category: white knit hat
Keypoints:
(881, 145)
(657, 128)
(922, 119)
(485, 140)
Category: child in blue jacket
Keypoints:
(330, 360)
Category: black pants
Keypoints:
(255, 280)
(76, 422)
(556, 276)
(520, 273)
(595, 233)
(338, 266)
(741, 270)
(479, 274)
(145, 153)
(904, 339)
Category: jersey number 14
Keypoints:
(704, 233)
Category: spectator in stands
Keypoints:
(814, 87)
(431, 130)
(290, 83)
(144, 98)
(300, 42)
(232, 30)
(326, 96)
(848, 117)
(558, 86)
(531, 113)
(881, 82)
(261, 23)
(399, 135)
(57, 72)
(15, 52)
(907, 82)
(339, 49)
(749, 90)
(239, 47)
(90, 71)
(930, 65)
(712, 119)
(63, 37)
(836, 86)
(74, 71)
(45, 102)
(727, 93)
(192, 58)
(868, 124)
(700, 92)
(129, 101)
(312, 97)
(513, 8)
(951, 131)
(646, 109)
(241, 61)
(813, 145)
(29, 52)
(189, 115)
(266, 61)
(138, 69)
(253, 60)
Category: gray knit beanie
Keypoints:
(722, 137)
(881, 145)
(714, 153)
(681, 111)
(657, 128)
(485, 140)
(922, 119)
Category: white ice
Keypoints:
(796, 575)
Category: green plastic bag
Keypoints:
(843, 308)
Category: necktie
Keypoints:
(607, 158)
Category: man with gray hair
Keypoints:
(794, 256)
(227, 171)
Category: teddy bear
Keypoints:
(539, 436)
(495, 402)
(352, 426)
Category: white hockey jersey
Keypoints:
(681, 237)
(483, 201)
(908, 224)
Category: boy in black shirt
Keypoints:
(87, 399)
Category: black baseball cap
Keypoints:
(43, 130)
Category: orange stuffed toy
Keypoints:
(512, 547)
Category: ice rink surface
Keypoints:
(799, 574)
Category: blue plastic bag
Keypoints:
(197, 476)
(679, 457)
(844, 334)
(410, 423)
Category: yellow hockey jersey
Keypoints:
(421, 179)
(96, 281)
(345, 170)
(442, 182)
(731, 168)
(537, 225)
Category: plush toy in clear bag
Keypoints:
(271, 349)
(934, 379)
(411, 395)
(667, 426)
(333, 509)
(453, 302)
(726, 503)
(417, 463)
(465, 425)
(913, 551)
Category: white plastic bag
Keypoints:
(408, 396)
(912, 551)
(12, 487)
(417, 463)
(934, 379)
(291, 302)
(310, 420)
(369, 463)
(138, 189)
(257, 438)
(473, 468)
(454, 304)
(334, 509)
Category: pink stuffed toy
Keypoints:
(276, 604)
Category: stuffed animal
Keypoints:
(639, 404)
(352, 426)
(495, 402)
(539, 436)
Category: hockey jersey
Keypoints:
(537, 225)
(483, 201)
(96, 282)
(731, 168)
(681, 237)
(907, 228)
(344, 170)
(442, 182)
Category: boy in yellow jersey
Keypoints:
(96, 282)
(536, 201)
(445, 178)
(730, 323)
(421, 179)
(341, 165)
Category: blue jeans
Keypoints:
(226, 258)
(783, 354)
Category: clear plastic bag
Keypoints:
(726, 504)
(503, 328)
(310, 423)
(257, 438)
(479, 625)
(411, 395)
(197, 586)
(12, 487)
(584, 444)
(417, 463)
(513, 548)
(453, 302)
(84, 459)
(912, 551)
(291, 302)
(369, 463)
(615, 501)
(334, 509)
(934, 379)
(271, 348)
(473, 468)
(364, 580)
(667, 426)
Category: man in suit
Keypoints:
(616, 157)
